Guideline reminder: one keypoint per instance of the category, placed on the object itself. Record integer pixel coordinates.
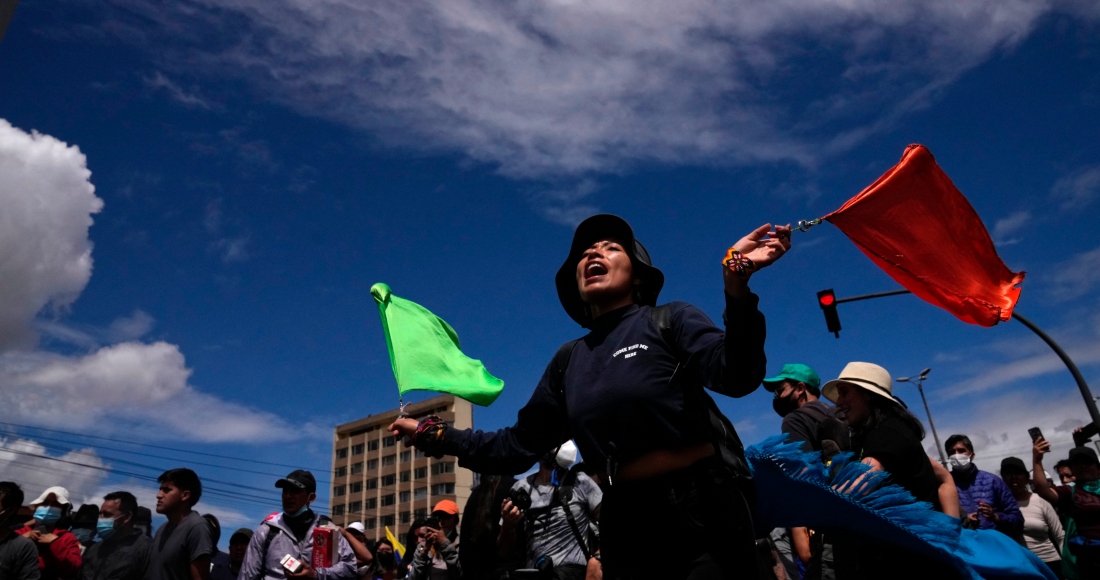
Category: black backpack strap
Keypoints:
(567, 486)
(558, 364)
(272, 531)
(727, 444)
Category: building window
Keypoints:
(356, 487)
(355, 507)
(406, 517)
(387, 500)
(358, 468)
(370, 523)
(338, 510)
(388, 520)
(406, 456)
(420, 454)
(372, 483)
(421, 493)
(389, 479)
(389, 441)
(342, 453)
(406, 476)
(443, 489)
(420, 513)
(389, 460)
(357, 449)
(372, 464)
(420, 472)
(338, 490)
(371, 503)
(372, 445)
(437, 468)
(404, 496)
(340, 471)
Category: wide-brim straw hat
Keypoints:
(867, 376)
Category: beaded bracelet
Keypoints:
(429, 436)
(738, 263)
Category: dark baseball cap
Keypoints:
(1083, 455)
(298, 479)
(241, 536)
(1013, 464)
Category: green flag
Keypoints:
(425, 354)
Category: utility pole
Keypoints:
(920, 388)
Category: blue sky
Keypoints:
(258, 165)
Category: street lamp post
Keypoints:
(919, 380)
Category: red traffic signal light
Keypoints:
(826, 299)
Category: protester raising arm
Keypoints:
(1041, 485)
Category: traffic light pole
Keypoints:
(870, 296)
(1090, 403)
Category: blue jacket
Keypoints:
(976, 485)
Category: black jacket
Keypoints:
(617, 398)
(125, 556)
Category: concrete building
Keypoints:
(380, 482)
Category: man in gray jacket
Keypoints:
(290, 532)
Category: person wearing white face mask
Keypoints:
(58, 549)
(123, 550)
(986, 501)
(552, 532)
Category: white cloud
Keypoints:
(1078, 189)
(29, 464)
(233, 249)
(1076, 277)
(998, 425)
(176, 92)
(130, 327)
(1005, 227)
(45, 258)
(47, 202)
(566, 88)
(141, 385)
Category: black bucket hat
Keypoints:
(588, 232)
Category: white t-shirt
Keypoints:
(1041, 527)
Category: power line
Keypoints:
(322, 470)
(234, 468)
(229, 494)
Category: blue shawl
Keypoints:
(796, 489)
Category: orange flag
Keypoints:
(917, 226)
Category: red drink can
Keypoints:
(323, 540)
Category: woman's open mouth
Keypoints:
(594, 270)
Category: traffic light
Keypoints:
(826, 299)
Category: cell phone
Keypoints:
(291, 564)
(1035, 434)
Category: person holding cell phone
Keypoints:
(1081, 502)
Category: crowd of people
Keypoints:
(658, 455)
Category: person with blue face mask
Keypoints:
(58, 549)
(290, 532)
(84, 520)
(122, 552)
